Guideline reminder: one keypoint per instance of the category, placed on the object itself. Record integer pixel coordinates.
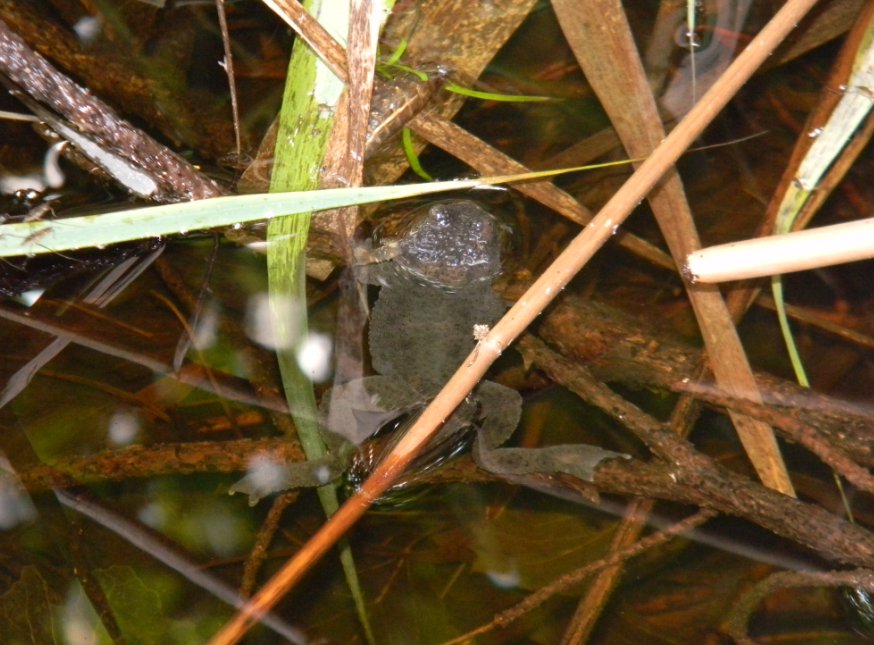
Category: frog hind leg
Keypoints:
(348, 416)
(502, 409)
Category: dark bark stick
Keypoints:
(690, 477)
(176, 179)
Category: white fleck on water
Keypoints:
(15, 505)
(323, 474)
(314, 356)
(88, 28)
(205, 333)
(504, 579)
(273, 324)
(123, 429)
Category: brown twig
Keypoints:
(682, 474)
(529, 306)
(807, 435)
(258, 554)
(737, 621)
(153, 461)
(228, 66)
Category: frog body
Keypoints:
(435, 287)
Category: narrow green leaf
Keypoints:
(496, 96)
(412, 157)
(97, 231)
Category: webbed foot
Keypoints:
(502, 408)
(266, 476)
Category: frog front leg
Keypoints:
(501, 410)
(348, 415)
(266, 476)
(357, 409)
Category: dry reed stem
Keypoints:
(526, 309)
(777, 254)
(608, 56)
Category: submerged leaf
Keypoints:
(526, 549)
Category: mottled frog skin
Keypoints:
(435, 285)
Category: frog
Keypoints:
(436, 294)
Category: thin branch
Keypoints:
(228, 66)
(737, 620)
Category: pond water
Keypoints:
(129, 412)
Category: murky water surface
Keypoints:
(136, 399)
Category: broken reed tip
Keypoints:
(777, 254)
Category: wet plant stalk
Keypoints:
(526, 309)
(306, 121)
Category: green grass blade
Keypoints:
(496, 96)
(692, 36)
(412, 157)
(98, 231)
(397, 54)
(306, 120)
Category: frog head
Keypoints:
(451, 244)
